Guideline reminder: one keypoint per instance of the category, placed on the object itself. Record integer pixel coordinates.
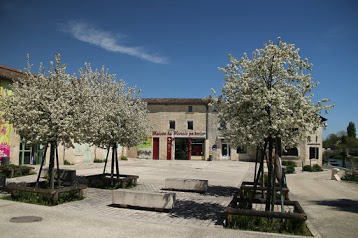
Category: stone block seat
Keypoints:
(143, 199)
(181, 184)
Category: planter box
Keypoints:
(53, 194)
(105, 180)
(11, 170)
(2, 182)
(295, 213)
(65, 174)
(248, 187)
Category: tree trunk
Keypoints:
(58, 168)
(116, 157)
(114, 162)
(112, 165)
(105, 164)
(269, 180)
(52, 165)
(259, 158)
(277, 153)
(42, 164)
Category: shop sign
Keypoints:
(179, 133)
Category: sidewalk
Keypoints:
(331, 206)
(194, 215)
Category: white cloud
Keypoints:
(106, 40)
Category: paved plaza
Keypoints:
(194, 214)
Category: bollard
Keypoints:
(334, 174)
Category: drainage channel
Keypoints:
(26, 219)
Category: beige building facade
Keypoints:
(185, 129)
(189, 129)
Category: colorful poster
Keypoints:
(145, 150)
(5, 129)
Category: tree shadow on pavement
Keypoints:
(221, 191)
(202, 211)
(346, 205)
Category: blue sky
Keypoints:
(174, 48)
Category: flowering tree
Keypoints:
(118, 116)
(60, 108)
(266, 102)
(47, 109)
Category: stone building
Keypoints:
(185, 129)
(189, 129)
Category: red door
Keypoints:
(156, 148)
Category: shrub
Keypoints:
(314, 168)
(290, 169)
(66, 162)
(99, 160)
(353, 151)
(44, 199)
(18, 170)
(124, 158)
(288, 163)
(263, 224)
(307, 168)
(351, 175)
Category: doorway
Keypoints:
(155, 148)
(225, 151)
(30, 154)
(182, 149)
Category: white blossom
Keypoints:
(61, 108)
(117, 114)
(46, 108)
(269, 96)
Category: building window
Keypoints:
(197, 147)
(30, 154)
(290, 152)
(172, 125)
(190, 125)
(314, 152)
(190, 108)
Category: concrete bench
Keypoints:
(195, 185)
(143, 199)
(334, 174)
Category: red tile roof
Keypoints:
(176, 101)
(10, 73)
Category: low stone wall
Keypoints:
(143, 199)
(195, 185)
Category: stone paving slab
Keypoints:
(193, 209)
(190, 208)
